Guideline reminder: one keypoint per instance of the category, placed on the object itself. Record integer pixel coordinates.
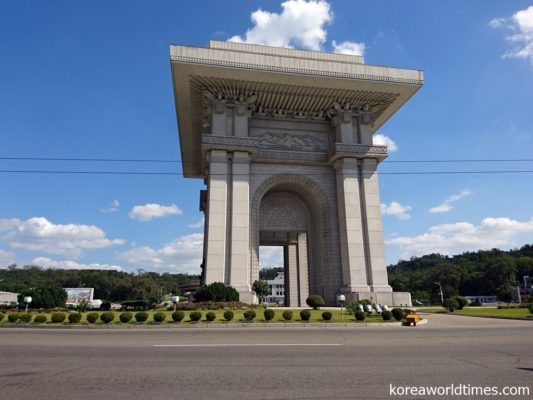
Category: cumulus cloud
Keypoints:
(459, 237)
(6, 258)
(184, 254)
(270, 256)
(346, 47)
(113, 207)
(39, 234)
(152, 210)
(397, 210)
(300, 24)
(199, 224)
(520, 26)
(69, 264)
(447, 204)
(382, 140)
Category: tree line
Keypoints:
(486, 272)
(108, 285)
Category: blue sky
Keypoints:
(92, 80)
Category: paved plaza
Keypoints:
(257, 363)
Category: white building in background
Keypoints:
(6, 298)
(277, 289)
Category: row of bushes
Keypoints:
(177, 316)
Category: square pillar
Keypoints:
(303, 269)
(215, 224)
(353, 264)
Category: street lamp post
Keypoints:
(27, 300)
(440, 292)
(175, 300)
(341, 299)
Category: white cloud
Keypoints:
(382, 140)
(113, 207)
(397, 210)
(300, 24)
(199, 224)
(153, 210)
(459, 237)
(521, 38)
(346, 47)
(270, 256)
(446, 205)
(69, 264)
(39, 234)
(184, 254)
(6, 258)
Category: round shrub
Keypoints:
(25, 317)
(450, 304)
(408, 311)
(461, 301)
(58, 317)
(397, 313)
(1, 316)
(269, 314)
(228, 315)
(141, 316)
(287, 315)
(39, 319)
(327, 315)
(386, 315)
(159, 316)
(360, 315)
(315, 301)
(107, 317)
(249, 315)
(210, 316)
(195, 316)
(13, 317)
(74, 318)
(178, 316)
(125, 317)
(305, 315)
(92, 317)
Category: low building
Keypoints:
(277, 289)
(8, 298)
(490, 299)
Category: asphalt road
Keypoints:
(263, 363)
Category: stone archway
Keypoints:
(291, 211)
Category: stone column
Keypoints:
(291, 274)
(377, 278)
(350, 233)
(240, 226)
(303, 269)
(215, 239)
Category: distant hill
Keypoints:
(473, 273)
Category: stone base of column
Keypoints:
(389, 298)
(247, 296)
(380, 288)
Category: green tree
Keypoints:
(506, 292)
(261, 289)
(216, 291)
(44, 296)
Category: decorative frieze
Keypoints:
(358, 151)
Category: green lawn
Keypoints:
(316, 316)
(485, 312)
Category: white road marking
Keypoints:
(247, 344)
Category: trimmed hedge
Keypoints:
(125, 317)
(249, 315)
(141, 316)
(92, 317)
(269, 314)
(39, 319)
(159, 316)
(210, 316)
(386, 315)
(25, 317)
(305, 315)
(195, 316)
(216, 291)
(228, 315)
(327, 315)
(136, 305)
(398, 313)
(107, 317)
(315, 301)
(58, 317)
(461, 301)
(360, 315)
(287, 315)
(13, 317)
(178, 316)
(1, 316)
(74, 318)
(451, 304)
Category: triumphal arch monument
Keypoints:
(283, 140)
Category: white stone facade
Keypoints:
(283, 139)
